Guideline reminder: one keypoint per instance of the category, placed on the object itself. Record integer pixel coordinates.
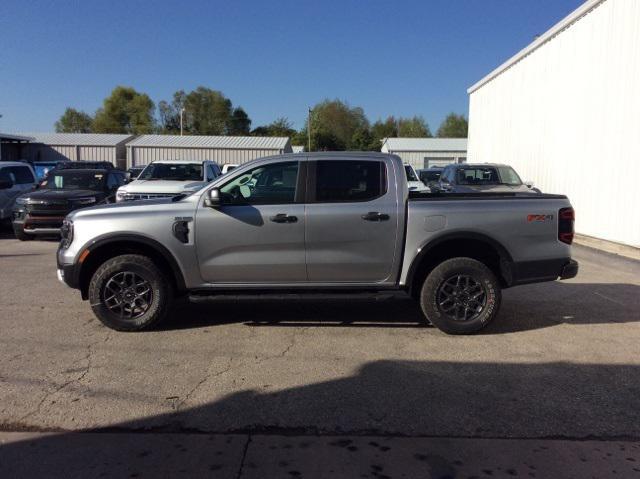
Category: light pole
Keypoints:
(309, 127)
(181, 114)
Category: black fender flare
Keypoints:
(506, 260)
(134, 238)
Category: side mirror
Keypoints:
(5, 184)
(445, 185)
(528, 184)
(213, 198)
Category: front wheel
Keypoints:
(460, 296)
(130, 293)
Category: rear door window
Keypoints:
(349, 181)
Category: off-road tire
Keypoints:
(143, 267)
(431, 293)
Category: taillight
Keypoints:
(566, 218)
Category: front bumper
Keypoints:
(67, 273)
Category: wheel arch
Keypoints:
(111, 245)
(460, 244)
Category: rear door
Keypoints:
(257, 235)
(352, 221)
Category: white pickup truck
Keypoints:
(169, 178)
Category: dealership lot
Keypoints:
(561, 362)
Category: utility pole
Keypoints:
(309, 127)
(181, 114)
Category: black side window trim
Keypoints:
(312, 178)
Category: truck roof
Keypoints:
(479, 165)
(177, 162)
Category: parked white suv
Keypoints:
(169, 178)
(413, 181)
(15, 178)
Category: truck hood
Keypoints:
(162, 186)
(417, 186)
(52, 195)
(139, 206)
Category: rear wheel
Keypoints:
(19, 233)
(460, 296)
(130, 293)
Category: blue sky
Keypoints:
(273, 58)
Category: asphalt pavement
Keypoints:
(321, 389)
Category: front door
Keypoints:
(352, 221)
(257, 235)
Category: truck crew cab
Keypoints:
(316, 223)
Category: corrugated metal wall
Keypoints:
(40, 152)
(568, 118)
(143, 155)
(417, 158)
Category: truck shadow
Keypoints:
(524, 308)
(438, 399)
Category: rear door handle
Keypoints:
(375, 216)
(283, 218)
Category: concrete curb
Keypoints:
(608, 246)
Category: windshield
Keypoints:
(411, 175)
(508, 176)
(74, 180)
(430, 175)
(42, 169)
(174, 172)
(483, 175)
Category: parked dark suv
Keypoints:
(66, 188)
(481, 177)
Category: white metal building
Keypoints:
(221, 149)
(565, 112)
(77, 146)
(427, 152)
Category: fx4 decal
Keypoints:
(532, 218)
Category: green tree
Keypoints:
(280, 127)
(170, 113)
(74, 121)
(125, 111)
(239, 123)
(361, 139)
(207, 112)
(414, 127)
(453, 126)
(381, 130)
(333, 125)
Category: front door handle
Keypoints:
(283, 218)
(375, 216)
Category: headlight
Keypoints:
(120, 195)
(84, 201)
(22, 201)
(66, 233)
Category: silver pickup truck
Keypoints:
(316, 224)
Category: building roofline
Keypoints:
(11, 136)
(559, 27)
